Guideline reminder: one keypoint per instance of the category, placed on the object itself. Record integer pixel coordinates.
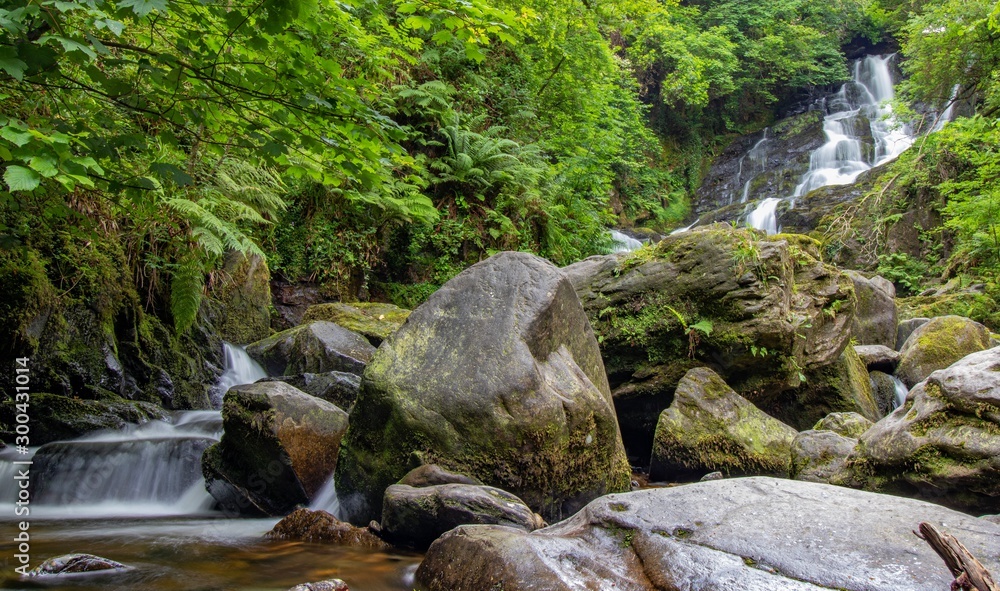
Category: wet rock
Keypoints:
(761, 312)
(415, 517)
(752, 534)
(239, 302)
(76, 563)
(375, 321)
(337, 387)
(884, 391)
(278, 447)
(306, 525)
(943, 444)
(315, 347)
(432, 474)
(848, 424)
(329, 585)
(875, 319)
(57, 418)
(821, 456)
(291, 302)
(497, 376)
(906, 328)
(878, 357)
(712, 476)
(709, 427)
(938, 344)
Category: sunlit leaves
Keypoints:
(19, 178)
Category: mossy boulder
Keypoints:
(498, 376)
(337, 387)
(709, 428)
(939, 343)
(415, 517)
(279, 446)
(314, 347)
(843, 386)
(758, 311)
(848, 424)
(906, 328)
(983, 307)
(57, 418)
(943, 444)
(239, 301)
(374, 320)
(822, 456)
(432, 474)
(875, 318)
(306, 525)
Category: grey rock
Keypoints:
(328, 585)
(278, 448)
(875, 319)
(939, 343)
(906, 328)
(498, 376)
(76, 563)
(415, 517)
(432, 474)
(709, 428)
(337, 387)
(821, 456)
(314, 347)
(751, 534)
(878, 357)
(848, 424)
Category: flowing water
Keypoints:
(623, 242)
(137, 496)
(860, 132)
(901, 392)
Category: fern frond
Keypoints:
(187, 287)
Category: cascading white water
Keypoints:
(239, 368)
(623, 242)
(326, 499)
(901, 392)
(857, 111)
(685, 228)
(949, 111)
(758, 161)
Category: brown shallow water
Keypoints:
(199, 554)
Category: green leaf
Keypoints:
(19, 178)
(419, 22)
(144, 7)
(44, 166)
(172, 172)
(703, 326)
(11, 64)
(16, 136)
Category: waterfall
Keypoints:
(949, 110)
(859, 109)
(239, 368)
(148, 469)
(326, 499)
(685, 228)
(623, 242)
(758, 158)
(901, 392)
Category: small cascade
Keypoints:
(901, 392)
(758, 160)
(860, 132)
(326, 499)
(949, 111)
(623, 242)
(685, 228)
(239, 368)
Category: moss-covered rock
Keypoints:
(432, 474)
(822, 456)
(314, 347)
(943, 444)
(305, 525)
(56, 418)
(759, 311)
(878, 357)
(875, 319)
(279, 446)
(497, 376)
(981, 307)
(848, 424)
(938, 344)
(885, 392)
(709, 428)
(906, 328)
(415, 517)
(239, 302)
(375, 321)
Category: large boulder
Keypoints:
(751, 534)
(760, 311)
(906, 328)
(498, 376)
(314, 347)
(848, 424)
(937, 344)
(279, 446)
(876, 319)
(822, 456)
(306, 525)
(432, 474)
(375, 321)
(943, 444)
(843, 386)
(338, 387)
(75, 564)
(415, 517)
(709, 428)
(878, 357)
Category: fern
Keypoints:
(187, 287)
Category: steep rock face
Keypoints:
(875, 319)
(278, 448)
(709, 428)
(239, 304)
(752, 534)
(937, 344)
(497, 376)
(315, 347)
(760, 312)
(772, 167)
(843, 386)
(943, 444)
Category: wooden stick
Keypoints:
(969, 573)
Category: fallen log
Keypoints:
(969, 573)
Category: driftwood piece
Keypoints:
(969, 573)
